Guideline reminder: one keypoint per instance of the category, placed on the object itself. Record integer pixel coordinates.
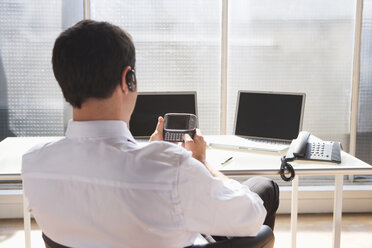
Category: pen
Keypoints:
(226, 161)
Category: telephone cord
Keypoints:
(286, 168)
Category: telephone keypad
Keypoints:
(319, 150)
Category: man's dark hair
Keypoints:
(89, 58)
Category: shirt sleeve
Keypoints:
(213, 206)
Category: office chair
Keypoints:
(264, 239)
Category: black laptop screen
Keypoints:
(267, 115)
(150, 106)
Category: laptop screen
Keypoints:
(268, 115)
(150, 106)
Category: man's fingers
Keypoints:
(198, 136)
(198, 132)
(186, 137)
(158, 133)
(196, 145)
(160, 125)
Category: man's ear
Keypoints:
(123, 85)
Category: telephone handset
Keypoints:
(298, 146)
(302, 148)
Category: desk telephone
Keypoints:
(302, 148)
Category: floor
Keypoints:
(314, 230)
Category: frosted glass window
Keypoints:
(177, 45)
(364, 129)
(31, 103)
(295, 46)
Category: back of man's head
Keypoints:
(89, 59)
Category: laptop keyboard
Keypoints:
(236, 142)
(272, 142)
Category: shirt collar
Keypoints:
(94, 129)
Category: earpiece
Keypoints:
(131, 80)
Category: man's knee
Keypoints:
(266, 188)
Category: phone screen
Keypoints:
(178, 122)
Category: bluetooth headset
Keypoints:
(131, 80)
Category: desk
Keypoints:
(250, 163)
(11, 151)
(244, 163)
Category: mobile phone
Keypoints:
(177, 124)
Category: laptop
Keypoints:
(151, 105)
(266, 121)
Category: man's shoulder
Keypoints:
(43, 145)
(163, 146)
(160, 151)
(35, 154)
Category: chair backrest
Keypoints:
(51, 244)
(264, 239)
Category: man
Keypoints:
(97, 188)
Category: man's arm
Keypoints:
(211, 202)
(214, 206)
(198, 148)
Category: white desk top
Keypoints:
(243, 162)
(11, 151)
(268, 163)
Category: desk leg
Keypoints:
(337, 210)
(27, 223)
(294, 210)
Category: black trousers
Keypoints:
(268, 190)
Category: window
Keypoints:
(286, 46)
(177, 45)
(364, 129)
(295, 46)
(31, 103)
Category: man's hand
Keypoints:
(198, 148)
(197, 145)
(158, 134)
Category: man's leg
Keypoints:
(268, 190)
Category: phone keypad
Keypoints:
(317, 149)
(174, 137)
(321, 150)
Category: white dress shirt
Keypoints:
(98, 188)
